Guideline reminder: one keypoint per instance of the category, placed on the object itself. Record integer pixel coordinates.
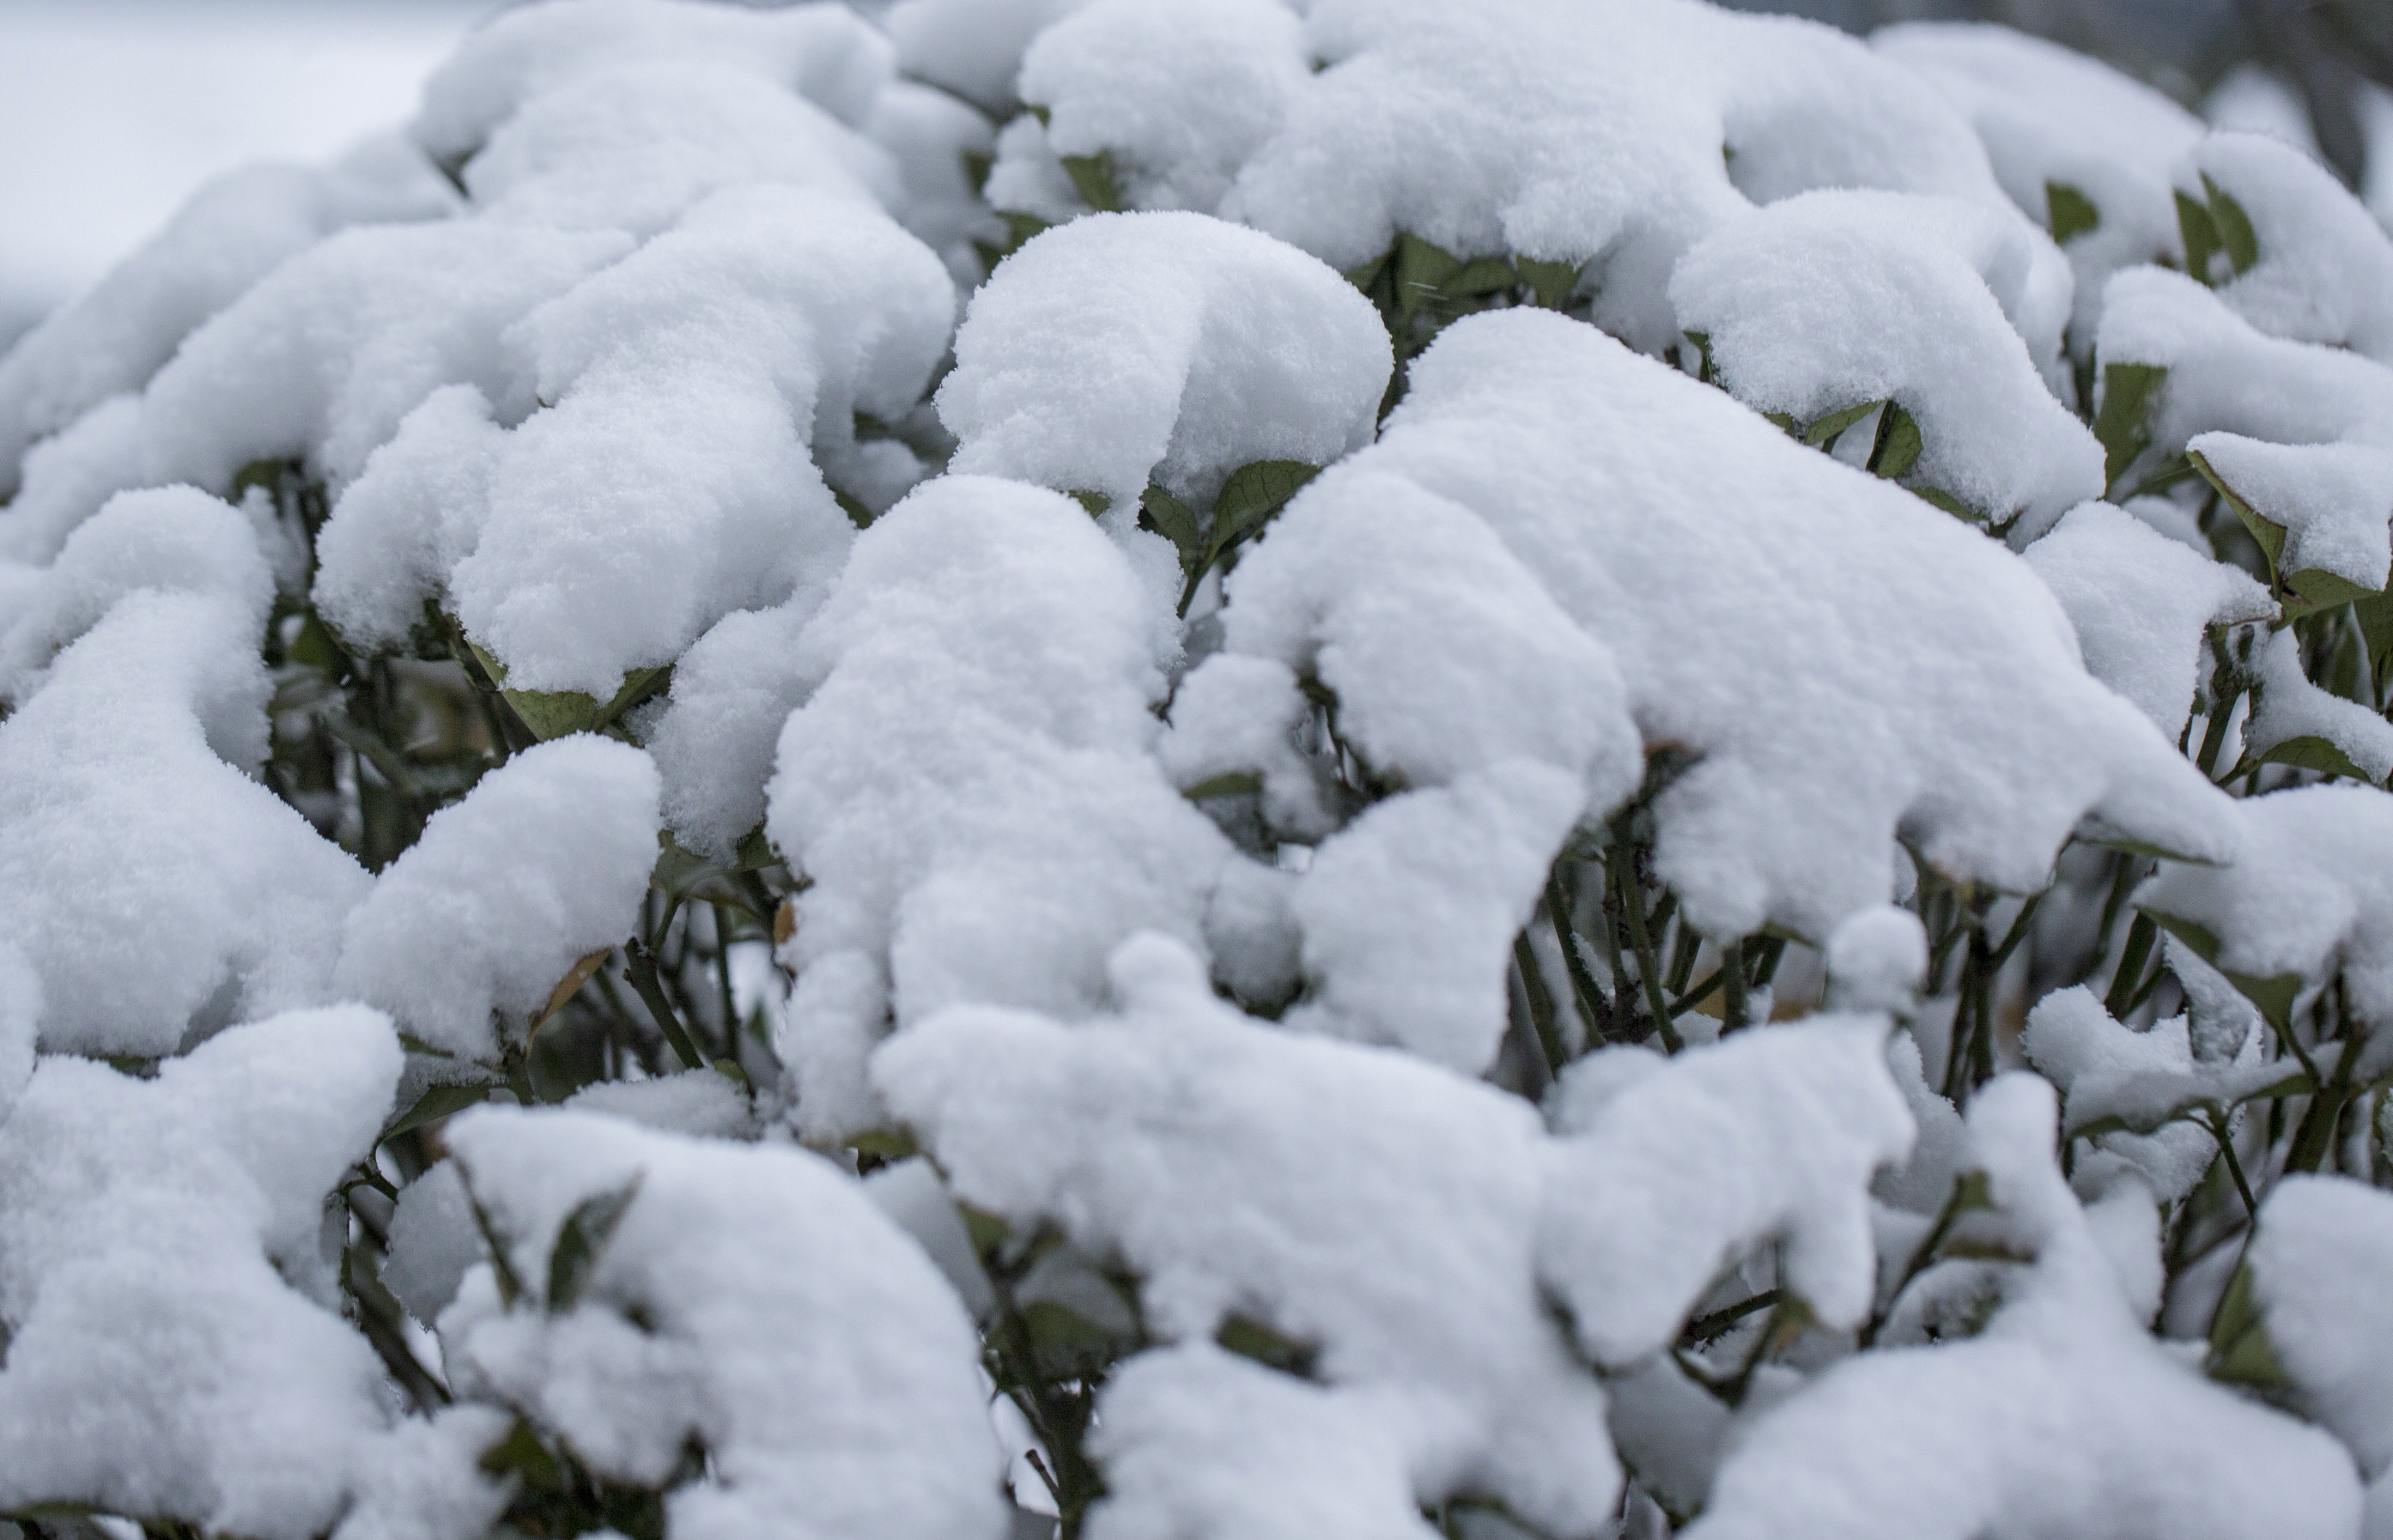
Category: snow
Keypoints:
(230, 234)
(1847, 659)
(2331, 501)
(2226, 375)
(2108, 1074)
(1177, 94)
(1165, 893)
(669, 481)
(631, 148)
(2319, 1243)
(1689, 1163)
(1877, 961)
(2141, 604)
(545, 860)
(157, 1262)
(1832, 299)
(323, 359)
(2309, 894)
(138, 738)
(2061, 1417)
(745, 1298)
(2287, 707)
(824, 53)
(973, 47)
(1161, 1138)
(967, 784)
(2051, 118)
(2324, 263)
(1608, 142)
(434, 1242)
(1125, 348)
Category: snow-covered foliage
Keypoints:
(1208, 770)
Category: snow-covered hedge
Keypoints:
(1208, 770)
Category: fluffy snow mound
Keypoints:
(1208, 770)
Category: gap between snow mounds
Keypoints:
(1674, 572)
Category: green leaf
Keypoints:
(2375, 613)
(755, 852)
(1249, 1337)
(1095, 178)
(1175, 521)
(1899, 444)
(2069, 213)
(2311, 752)
(582, 1241)
(977, 164)
(520, 1453)
(2241, 1353)
(1236, 783)
(858, 514)
(439, 1102)
(1824, 430)
(1947, 501)
(1483, 276)
(2234, 226)
(495, 1241)
(1252, 494)
(1549, 283)
(555, 713)
(1422, 270)
(2130, 392)
(885, 1144)
(1095, 503)
(1704, 371)
(2199, 233)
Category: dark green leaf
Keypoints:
(1899, 443)
(1251, 495)
(1483, 276)
(1824, 430)
(886, 1143)
(1422, 270)
(503, 1265)
(439, 1102)
(2241, 1353)
(858, 514)
(582, 1241)
(2234, 227)
(2130, 392)
(2311, 752)
(521, 1453)
(1095, 503)
(1235, 784)
(2069, 213)
(2199, 233)
(1171, 518)
(1095, 178)
(1250, 1338)
(2375, 613)
(1551, 283)
(1947, 501)
(1702, 341)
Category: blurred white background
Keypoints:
(111, 111)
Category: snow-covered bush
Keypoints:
(1208, 770)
